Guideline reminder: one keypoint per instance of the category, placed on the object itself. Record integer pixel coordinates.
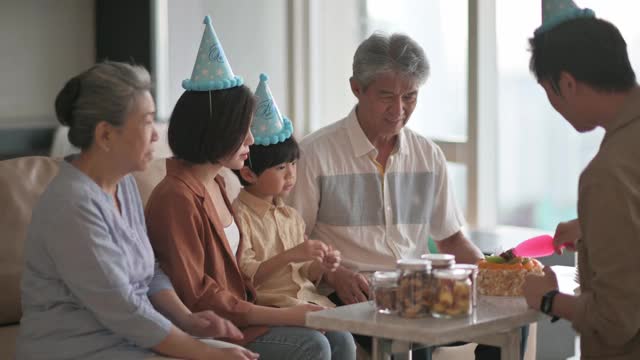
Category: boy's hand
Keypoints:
(310, 250)
(296, 315)
(331, 260)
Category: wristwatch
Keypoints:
(547, 304)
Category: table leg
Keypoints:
(401, 350)
(383, 348)
(378, 349)
(510, 350)
(509, 343)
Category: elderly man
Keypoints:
(369, 186)
(372, 188)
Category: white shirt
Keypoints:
(373, 218)
(233, 235)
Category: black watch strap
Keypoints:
(547, 304)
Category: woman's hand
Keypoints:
(567, 234)
(233, 353)
(209, 324)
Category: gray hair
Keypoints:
(382, 53)
(105, 92)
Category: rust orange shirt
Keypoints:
(190, 244)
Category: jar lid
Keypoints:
(385, 277)
(470, 267)
(452, 274)
(414, 264)
(440, 260)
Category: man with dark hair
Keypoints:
(582, 64)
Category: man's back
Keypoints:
(609, 213)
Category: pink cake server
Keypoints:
(538, 246)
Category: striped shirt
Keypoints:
(373, 217)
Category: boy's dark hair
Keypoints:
(262, 157)
(206, 126)
(591, 50)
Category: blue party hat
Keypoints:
(269, 126)
(555, 12)
(211, 70)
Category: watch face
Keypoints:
(546, 304)
(547, 301)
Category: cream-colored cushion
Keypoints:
(157, 169)
(22, 180)
(150, 177)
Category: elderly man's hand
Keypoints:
(350, 286)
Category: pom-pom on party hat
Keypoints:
(555, 12)
(211, 70)
(269, 125)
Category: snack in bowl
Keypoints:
(503, 275)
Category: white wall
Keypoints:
(43, 43)
(253, 35)
(338, 32)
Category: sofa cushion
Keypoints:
(22, 180)
(148, 179)
(157, 169)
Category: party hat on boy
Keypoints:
(211, 70)
(269, 125)
(555, 12)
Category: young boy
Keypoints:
(282, 263)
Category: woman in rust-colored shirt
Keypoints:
(194, 234)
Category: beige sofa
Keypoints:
(22, 180)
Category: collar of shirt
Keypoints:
(629, 112)
(360, 143)
(260, 206)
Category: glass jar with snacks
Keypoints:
(473, 276)
(385, 291)
(440, 261)
(452, 297)
(414, 280)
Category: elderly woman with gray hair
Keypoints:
(90, 287)
(374, 189)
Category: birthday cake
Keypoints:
(504, 274)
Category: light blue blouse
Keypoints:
(88, 274)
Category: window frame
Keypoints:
(477, 151)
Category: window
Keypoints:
(441, 27)
(540, 155)
(513, 159)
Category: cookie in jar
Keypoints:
(452, 293)
(414, 279)
(385, 291)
